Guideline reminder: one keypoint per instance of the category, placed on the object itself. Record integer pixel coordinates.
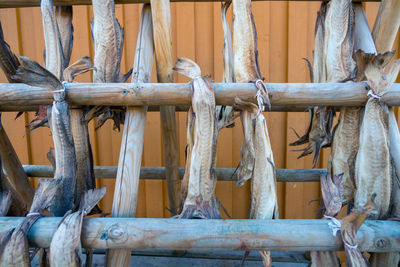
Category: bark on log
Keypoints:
(161, 94)
(141, 233)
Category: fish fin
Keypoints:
(310, 69)
(44, 194)
(187, 67)
(91, 198)
(9, 63)
(82, 65)
(246, 254)
(32, 73)
(124, 77)
(51, 157)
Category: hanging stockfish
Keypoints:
(108, 38)
(65, 246)
(331, 196)
(340, 66)
(14, 248)
(201, 201)
(318, 133)
(64, 23)
(373, 164)
(85, 179)
(349, 227)
(257, 160)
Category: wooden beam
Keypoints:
(152, 173)
(143, 233)
(162, 94)
(33, 3)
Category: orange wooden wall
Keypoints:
(285, 36)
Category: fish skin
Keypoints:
(201, 201)
(65, 156)
(63, 16)
(246, 69)
(373, 174)
(14, 247)
(8, 60)
(54, 52)
(65, 246)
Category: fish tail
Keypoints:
(91, 198)
(187, 67)
(8, 60)
(82, 65)
(44, 194)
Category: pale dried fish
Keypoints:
(256, 152)
(108, 37)
(201, 201)
(331, 196)
(350, 224)
(373, 173)
(65, 246)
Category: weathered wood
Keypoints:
(155, 108)
(161, 94)
(141, 233)
(163, 49)
(130, 157)
(153, 173)
(32, 3)
(12, 166)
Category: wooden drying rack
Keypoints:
(141, 233)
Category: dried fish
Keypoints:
(14, 248)
(318, 133)
(201, 201)
(256, 152)
(33, 74)
(108, 37)
(373, 173)
(8, 60)
(63, 16)
(350, 224)
(85, 178)
(65, 246)
(331, 195)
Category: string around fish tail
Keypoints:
(262, 96)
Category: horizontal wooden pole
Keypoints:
(152, 173)
(32, 3)
(179, 94)
(153, 108)
(176, 234)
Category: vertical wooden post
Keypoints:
(130, 157)
(163, 47)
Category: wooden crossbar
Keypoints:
(33, 3)
(182, 234)
(162, 94)
(153, 173)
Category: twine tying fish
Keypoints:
(334, 224)
(262, 96)
(373, 95)
(350, 246)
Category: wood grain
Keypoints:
(290, 235)
(130, 157)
